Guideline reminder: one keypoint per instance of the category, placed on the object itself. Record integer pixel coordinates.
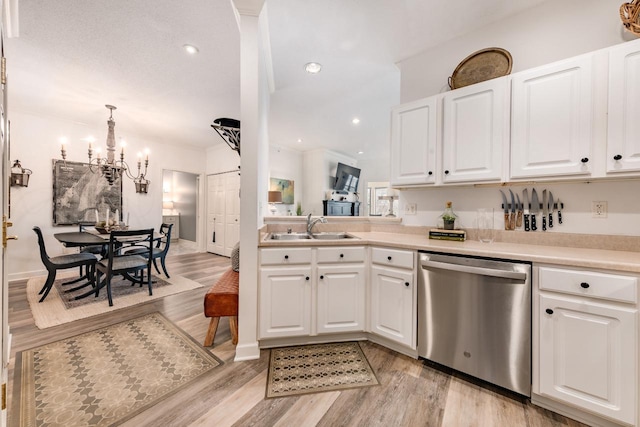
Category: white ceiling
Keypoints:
(72, 57)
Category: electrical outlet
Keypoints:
(599, 209)
(410, 208)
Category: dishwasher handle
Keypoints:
(474, 270)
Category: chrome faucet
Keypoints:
(311, 223)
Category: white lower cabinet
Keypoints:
(588, 345)
(285, 301)
(392, 304)
(393, 313)
(341, 295)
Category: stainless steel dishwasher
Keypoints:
(474, 315)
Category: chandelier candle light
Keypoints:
(111, 168)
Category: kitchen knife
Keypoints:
(512, 217)
(559, 211)
(545, 210)
(551, 209)
(505, 207)
(519, 214)
(525, 197)
(535, 208)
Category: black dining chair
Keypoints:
(98, 250)
(63, 262)
(161, 249)
(128, 264)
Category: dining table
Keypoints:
(88, 238)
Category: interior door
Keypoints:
(215, 214)
(4, 294)
(232, 212)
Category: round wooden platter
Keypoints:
(482, 65)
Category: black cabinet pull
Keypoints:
(584, 159)
(286, 257)
(446, 172)
(406, 284)
(389, 258)
(617, 157)
(341, 255)
(306, 278)
(584, 285)
(549, 311)
(430, 173)
(322, 276)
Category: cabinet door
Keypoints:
(588, 355)
(392, 313)
(475, 128)
(232, 212)
(623, 143)
(552, 119)
(215, 214)
(340, 298)
(285, 302)
(413, 143)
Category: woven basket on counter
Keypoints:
(630, 16)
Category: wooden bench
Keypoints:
(222, 300)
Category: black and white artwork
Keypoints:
(78, 192)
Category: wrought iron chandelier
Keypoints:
(229, 131)
(112, 168)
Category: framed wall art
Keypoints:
(285, 186)
(78, 192)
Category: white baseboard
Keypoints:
(249, 351)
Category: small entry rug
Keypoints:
(56, 309)
(317, 368)
(107, 376)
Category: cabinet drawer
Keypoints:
(170, 219)
(589, 283)
(392, 257)
(285, 256)
(341, 254)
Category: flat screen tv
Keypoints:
(347, 178)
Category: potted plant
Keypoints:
(299, 210)
(448, 218)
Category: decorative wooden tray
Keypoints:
(485, 64)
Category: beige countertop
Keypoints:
(626, 261)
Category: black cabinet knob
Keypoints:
(549, 311)
(389, 258)
(322, 276)
(584, 159)
(430, 173)
(584, 285)
(341, 255)
(617, 157)
(306, 278)
(446, 172)
(406, 284)
(286, 257)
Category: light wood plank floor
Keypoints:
(411, 393)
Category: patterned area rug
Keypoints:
(317, 368)
(107, 376)
(53, 312)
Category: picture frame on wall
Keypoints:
(78, 192)
(286, 187)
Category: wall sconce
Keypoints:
(19, 175)
(274, 197)
(142, 184)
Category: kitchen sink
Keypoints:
(332, 236)
(289, 236)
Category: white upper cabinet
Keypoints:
(623, 141)
(413, 143)
(475, 132)
(552, 118)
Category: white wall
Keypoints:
(549, 32)
(286, 163)
(221, 158)
(34, 140)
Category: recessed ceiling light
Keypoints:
(191, 49)
(299, 140)
(313, 67)
(360, 152)
(355, 121)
